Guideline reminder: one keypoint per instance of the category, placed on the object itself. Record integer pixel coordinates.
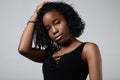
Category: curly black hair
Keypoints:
(75, 23)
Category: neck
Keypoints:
(70, 43)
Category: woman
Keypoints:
(54, 27)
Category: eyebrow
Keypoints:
(56, 19)
(53, 21)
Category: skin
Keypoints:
(56, 25)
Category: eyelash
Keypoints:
(55, 23)
(47, 28)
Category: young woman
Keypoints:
(54, 27)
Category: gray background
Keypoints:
(102, 19)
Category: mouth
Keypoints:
(58, 37)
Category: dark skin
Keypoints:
(59, 32)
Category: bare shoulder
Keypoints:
(91, 46)
(91, 50)
(93, 58)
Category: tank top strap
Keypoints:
(82, 46)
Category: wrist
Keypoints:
(33, 17)
(31, 22)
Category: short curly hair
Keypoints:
(75, 23)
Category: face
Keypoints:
(56, 26)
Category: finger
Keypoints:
(40, 6)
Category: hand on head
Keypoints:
(34, 16)
(40, 6)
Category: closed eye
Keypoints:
(56, 22)
(47, 28)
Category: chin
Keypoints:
(63, 43)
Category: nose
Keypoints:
(54, 29)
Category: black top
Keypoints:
(71, 66)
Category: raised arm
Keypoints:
(92, 55)
(25, 45)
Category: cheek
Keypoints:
(65, 29)
(50, 35)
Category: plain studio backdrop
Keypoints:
(102, 19)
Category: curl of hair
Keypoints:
(75, 23)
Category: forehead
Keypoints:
(50, 15)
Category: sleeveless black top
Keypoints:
(70, 66)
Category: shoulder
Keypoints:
(90, 46)
(93, 58)
(91, 51)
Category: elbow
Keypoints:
(22, 50)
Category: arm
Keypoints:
(25, 45)
(92, 56)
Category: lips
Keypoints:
(58, 37)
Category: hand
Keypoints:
(34, 16)
(40, 6)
